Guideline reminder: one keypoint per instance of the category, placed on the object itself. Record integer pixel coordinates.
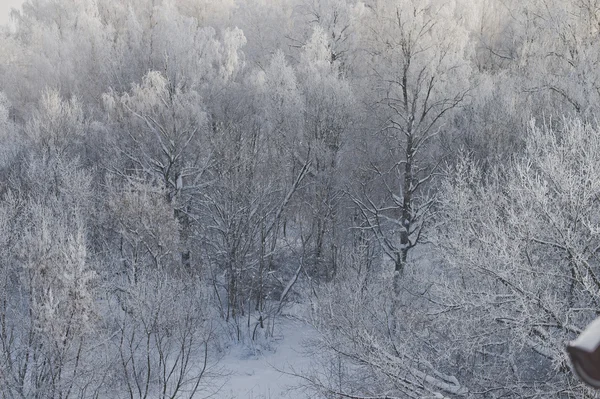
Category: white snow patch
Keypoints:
(260, 372)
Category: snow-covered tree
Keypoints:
(421, 75)
(522, 241)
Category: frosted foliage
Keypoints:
(340, 20)
(116, 43)
(161, 120)
(184, 49)
(132, 32)
(58, 123)
(52, 32)
(330, 104)
(149, 94)
(54, 271)
(425, 33)
(51, 305)
(283, 99)
(157, 98)
(358, 10)
(8, 139)
(421, 61)
(208, 12)
(4, 106)
(352, 316)
(557, 52)
(317, 52)
(147, 227)
(324, 87)
(144, 209)
(529, 234)
(57, 274)
(233, 41)
(266, 24)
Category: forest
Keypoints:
(422, 175)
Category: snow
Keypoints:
(261, 371)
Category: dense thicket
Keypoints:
(423, 172)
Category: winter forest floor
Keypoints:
(260, 370)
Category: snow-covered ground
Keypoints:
(259, 372)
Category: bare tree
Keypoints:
(244, 206)
(421, 75)
(163, 340)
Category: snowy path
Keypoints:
(255, 375)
